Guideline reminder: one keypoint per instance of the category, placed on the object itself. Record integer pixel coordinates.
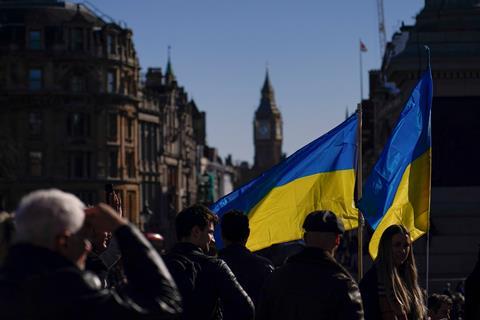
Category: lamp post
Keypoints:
(145, 215)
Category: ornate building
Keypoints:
(449, 28)
(172, 131)
(69, 95)
(75, 115)
(267, 130)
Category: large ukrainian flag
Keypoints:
(320, 176)
(398, 189)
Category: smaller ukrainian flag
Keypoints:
(398, 189)
(319, 176)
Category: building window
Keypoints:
(80, 165)
(77, 84)
(35, 39)
(143, 146)
(129, 129)
(35, 163)
(131, 206)
(87, 197)
(113, 164)
(111, 44)
(112, 126)
(111, 82)
(35, 76)
(77, 39)
(130, 163)
(78, 125)
(35, 123)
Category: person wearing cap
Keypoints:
(312, 285)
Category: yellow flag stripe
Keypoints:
(279, 216)
(411, 205)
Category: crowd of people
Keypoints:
(62, 260)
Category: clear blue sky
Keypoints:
(220, 49)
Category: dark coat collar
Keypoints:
(29, 259)
(234, 248)
(186, 247)
(313, 255)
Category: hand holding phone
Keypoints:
(103, 218)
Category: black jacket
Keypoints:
(95, 264)
(472, 294)
(311, 285)
(37, 283)
(369, 291)
(250, 269)
(208, 286)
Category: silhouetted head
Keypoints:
(235, 228)
(196, 225)
(323, 230)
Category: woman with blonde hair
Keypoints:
(390, 288)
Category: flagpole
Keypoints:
(361, 72)
(427, 251)
(361, 221)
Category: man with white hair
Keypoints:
(44, 278)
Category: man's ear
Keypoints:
(195, 233)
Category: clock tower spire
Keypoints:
(267, 130)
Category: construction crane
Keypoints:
(382, 34)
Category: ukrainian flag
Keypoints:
(320, 176)
(398, 189)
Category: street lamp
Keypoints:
(145, 215)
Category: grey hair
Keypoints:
(44, 214)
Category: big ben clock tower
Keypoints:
(267, 130)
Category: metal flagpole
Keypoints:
(361, 221)
(428, 233)
(430, 197)
(361, 72)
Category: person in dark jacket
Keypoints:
(208, 287)
(472, 293)
(104, 260)
(390, 288)
(250, 269)
(44, 278)
(312, 285)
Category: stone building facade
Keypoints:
(76, 115)
(450, 29)
(172, 131)
(69, 95)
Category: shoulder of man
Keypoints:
(370, 277)
(264, 261)
(65, 281)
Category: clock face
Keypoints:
(263, 130)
